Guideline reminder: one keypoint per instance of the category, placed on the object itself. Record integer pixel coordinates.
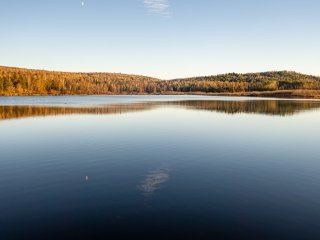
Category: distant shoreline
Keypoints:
(278, 84)
(292, 94)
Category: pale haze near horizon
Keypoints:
(161, 38)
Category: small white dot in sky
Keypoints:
(82, 3)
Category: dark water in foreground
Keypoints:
(159, 168)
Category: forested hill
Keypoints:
(22, 81)
(19, 81)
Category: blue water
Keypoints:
(160, 167)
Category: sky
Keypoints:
(161, 38)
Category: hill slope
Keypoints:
(40, 82)
(19, 81)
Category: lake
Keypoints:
(159, 167)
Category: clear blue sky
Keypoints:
(161, 38)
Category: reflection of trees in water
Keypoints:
(267, 107)
(11, 112)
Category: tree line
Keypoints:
(18, 81)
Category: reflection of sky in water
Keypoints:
(175, 165)
(154, 180)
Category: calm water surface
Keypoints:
(161, 167)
